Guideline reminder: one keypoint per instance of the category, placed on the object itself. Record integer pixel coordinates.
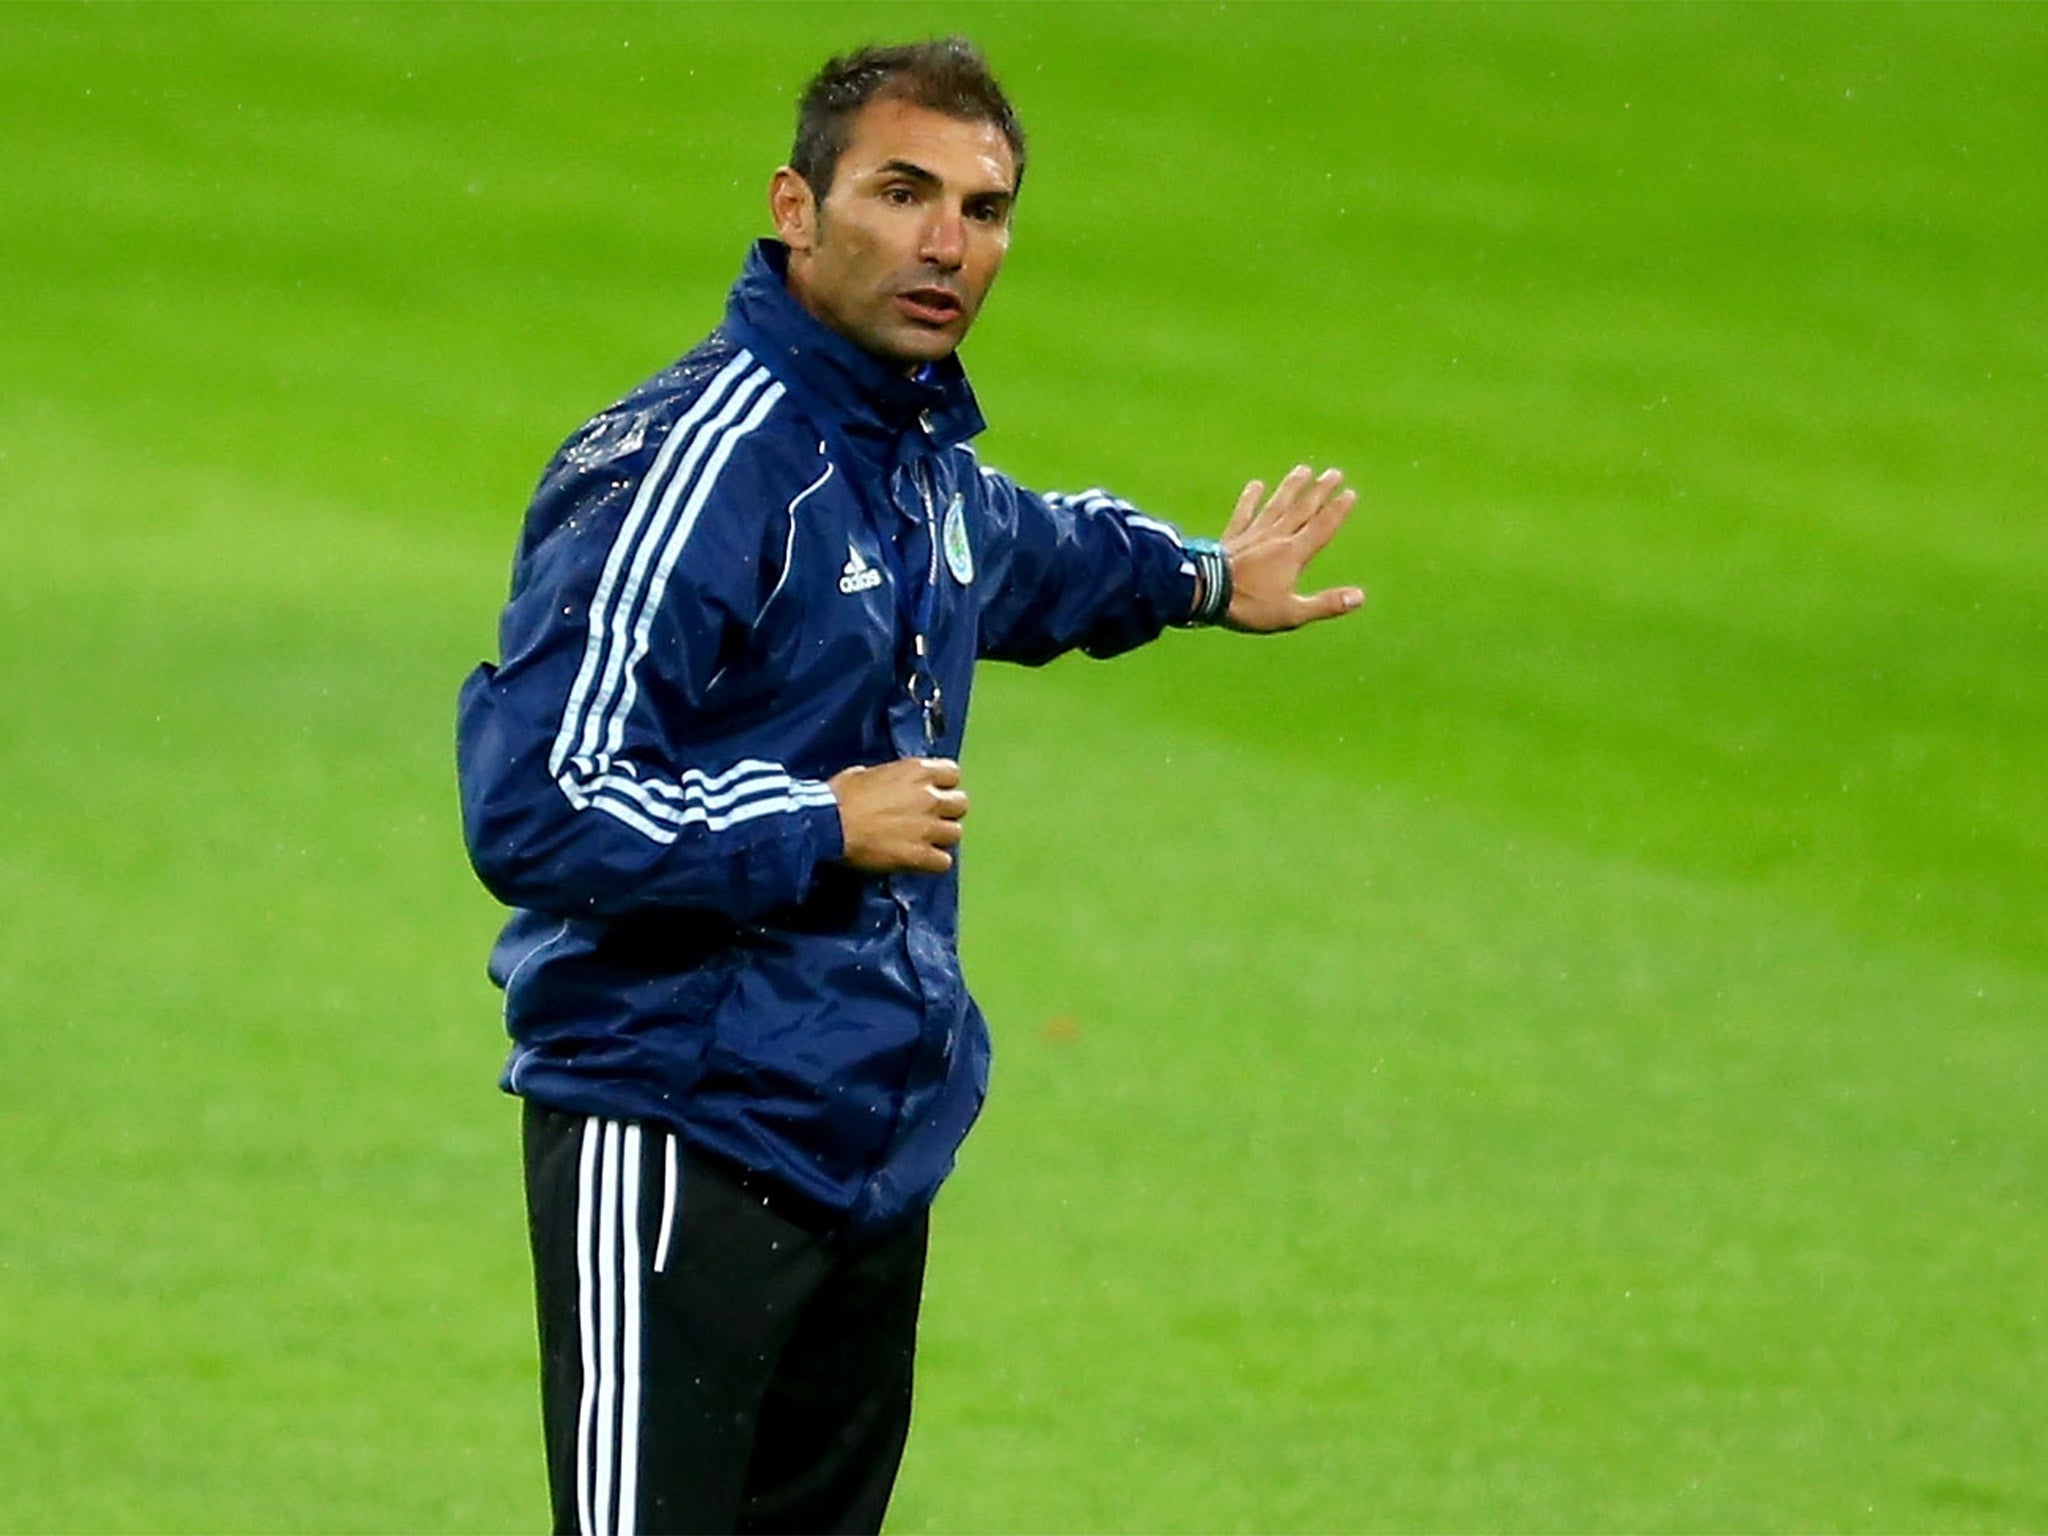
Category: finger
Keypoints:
(950, 803)
(931, 861)
(1279, 512)
(942, 771)
(1321, 528)
(945, 834)
(1331, 603)
(1308, 504)
(1248, 501)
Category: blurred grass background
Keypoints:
(1561, 1051)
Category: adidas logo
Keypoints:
(857, 575)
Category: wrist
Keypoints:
(1213, 589)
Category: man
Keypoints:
(715, 774)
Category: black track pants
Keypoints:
(707, 1363)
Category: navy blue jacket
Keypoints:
(711, 613)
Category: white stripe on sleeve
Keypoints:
(585, 757)
(578, 720)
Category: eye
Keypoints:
(899, 194)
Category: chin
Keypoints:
(916, 351)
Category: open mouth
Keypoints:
(930, 306)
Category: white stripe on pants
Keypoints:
(608, 1285)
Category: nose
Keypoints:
(945, 239)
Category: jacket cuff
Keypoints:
(823, 828)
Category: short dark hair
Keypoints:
(945, 74)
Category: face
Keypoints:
(903, 249)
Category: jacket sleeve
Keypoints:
(588, 787)
(1083, 571)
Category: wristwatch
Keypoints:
(1212, 582)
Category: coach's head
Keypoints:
(895, 204)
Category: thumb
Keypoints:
(1331, 603)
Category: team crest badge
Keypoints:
(959, 554)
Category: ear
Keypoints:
(794, 209)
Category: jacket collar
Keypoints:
(872, 402)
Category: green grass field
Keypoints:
(1563, 1051)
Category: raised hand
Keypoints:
(1269, 545)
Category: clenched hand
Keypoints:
(901, 817)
